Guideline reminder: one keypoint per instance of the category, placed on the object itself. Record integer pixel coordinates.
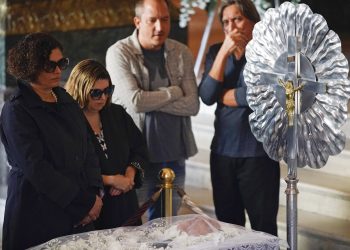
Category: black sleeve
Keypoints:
(93, 169)
(138, 150)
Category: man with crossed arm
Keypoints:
(156, 84)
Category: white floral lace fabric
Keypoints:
(179, 232)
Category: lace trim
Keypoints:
(179, 232)
(139, 168)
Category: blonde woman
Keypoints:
(118, 142)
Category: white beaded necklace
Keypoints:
(54, 95)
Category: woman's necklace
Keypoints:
(54, 95)
(45, 95)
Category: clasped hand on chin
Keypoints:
(235, 43)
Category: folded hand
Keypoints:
(123, 183)
(94, 213)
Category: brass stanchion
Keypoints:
(167, 176)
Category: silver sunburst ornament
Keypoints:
(297, 86)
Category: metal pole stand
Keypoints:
(292, 212)
(309, 80)
(167, 176)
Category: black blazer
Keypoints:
(125, 146)
(55, 172)
(125, 142)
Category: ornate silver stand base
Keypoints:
(292, 212)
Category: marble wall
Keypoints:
(3, 168)
(2, 41)
(86, 28)
(82, 44)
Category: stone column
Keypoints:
(2, 41)
(3, 161)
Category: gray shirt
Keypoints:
(125, 64)
(162, 130)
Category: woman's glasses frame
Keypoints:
(96, 94)
(62, 64)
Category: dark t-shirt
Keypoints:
(162, 130)
(233, 136)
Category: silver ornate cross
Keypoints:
(295, 91)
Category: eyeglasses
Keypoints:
(62, 64)
(96, 94)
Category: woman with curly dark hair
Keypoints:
(54, 174)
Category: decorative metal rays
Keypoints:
(294, 57)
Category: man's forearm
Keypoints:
(188, 104)
(184, 106)
(228, 98)
(146, 101)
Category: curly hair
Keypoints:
(83, 78)
(29, 56)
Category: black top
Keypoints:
(233, 136)
(125, 147)
(162, 130)
(55, 173)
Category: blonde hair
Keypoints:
(83, 78)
